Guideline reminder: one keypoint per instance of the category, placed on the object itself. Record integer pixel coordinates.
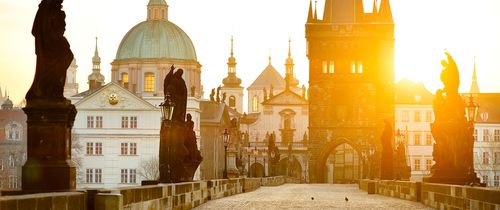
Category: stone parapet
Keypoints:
(59, 201)
(438, 196)
(273, 181)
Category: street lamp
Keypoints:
(225, 137)
(471, 110)
(167, 108)
(248, 159)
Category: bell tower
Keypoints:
(232, 84)
(351, 86)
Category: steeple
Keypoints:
(96, 79)
(374, 10)
(290, 80)
(310, 13)
(385, 12)
(157, 10)
(474, 87)
(231, 80)
(316, 9)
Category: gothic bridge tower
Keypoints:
(351, 88)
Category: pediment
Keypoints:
(113, 97)
(286, 97)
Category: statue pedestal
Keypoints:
(172, 153)
(49, 167)
(452, 177)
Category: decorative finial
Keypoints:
(269, 56)
(316, 9)
(231, 45)
(289, 46)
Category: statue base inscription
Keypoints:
(49, 167)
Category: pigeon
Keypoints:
(346, 199)
(312, 198)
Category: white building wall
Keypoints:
(486, 146)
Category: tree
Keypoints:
(149, 169)
(76, 157)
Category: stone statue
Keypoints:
(223, 97)
(265, 93)
(218, 94)
(274, 154)
(454, 141)
(168, 88)
(194, 158)
(212, 94)
(271, 91)
(176, 87)
(52, 50)
(193, 91)
(387, 159)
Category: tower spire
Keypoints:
(96, 60)
(310, 13)
(385, 12)
(474, 87)
(96, 79)
(290, 80)
(374, 10)
(231, 45)
(316, 9)
(231, 80)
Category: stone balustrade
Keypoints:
(438, 196)
(184, 195)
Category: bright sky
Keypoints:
(424, 28)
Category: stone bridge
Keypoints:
(263, 193)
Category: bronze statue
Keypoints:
(52, 50)
(168, 89)
(212, 94)
(194, 158)
(175, 86)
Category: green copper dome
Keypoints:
(156, 39)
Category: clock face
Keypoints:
(113, 99)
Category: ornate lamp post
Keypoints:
(255, 154)
(471, 113)
(370, 159)
(264, 156)
(167, 110)
(248, 158)
(225, 138)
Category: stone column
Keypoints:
(49, 167)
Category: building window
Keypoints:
(405, 116)
(133, 149)
(484, 116)
(1, 167)
(132, 178)
(417, 116)
(485, 180)
(90, 148)
(428, 164)
(133, 122)
(486, 158)
(89, 175)
(497, 158)
(232, 101)
(497, 135)
(98, 148)
(124, 176)
(475, 135)
(331, 67)
(149, 82)
(416, 138)
(124, 122)
(325, 67)
(124, 148)
(486, 135)
(353, 67)
(90, 121)
(360, 67)
(428, 138)
(428, 116)
(497, 181)
(356, 67)
(124, 78)
(13, 131)
(98, 175)
(416, 165)
(12, 161)
(255, 104)
(13, 182)
(98, 121)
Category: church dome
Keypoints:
(156, 39)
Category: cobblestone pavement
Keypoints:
(298, 196)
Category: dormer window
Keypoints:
(484, 116)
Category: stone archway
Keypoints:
(343, 155)
(256, 170)
(290, 168)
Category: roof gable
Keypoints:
(102, 98)
(267, 78)
(286, 97)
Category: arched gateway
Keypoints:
(351, 87)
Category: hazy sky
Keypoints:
(424, 28)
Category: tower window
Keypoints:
(255, 103)
(356, 67)
(331, 68)
(232, 69)
(325, 67)
(149, 82)
(232, 101)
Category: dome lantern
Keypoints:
(157, 10)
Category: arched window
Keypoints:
(232, 101)
(255, 104)
(13, 131)
(149, 82)
(125, 79)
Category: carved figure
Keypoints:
(218, 94)
(212, 94)
(387, 169)
(223, 97)
(52, 50)
(168, 89)
(193, 91)
(265, 93)
(175, 86)
(194, 158)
